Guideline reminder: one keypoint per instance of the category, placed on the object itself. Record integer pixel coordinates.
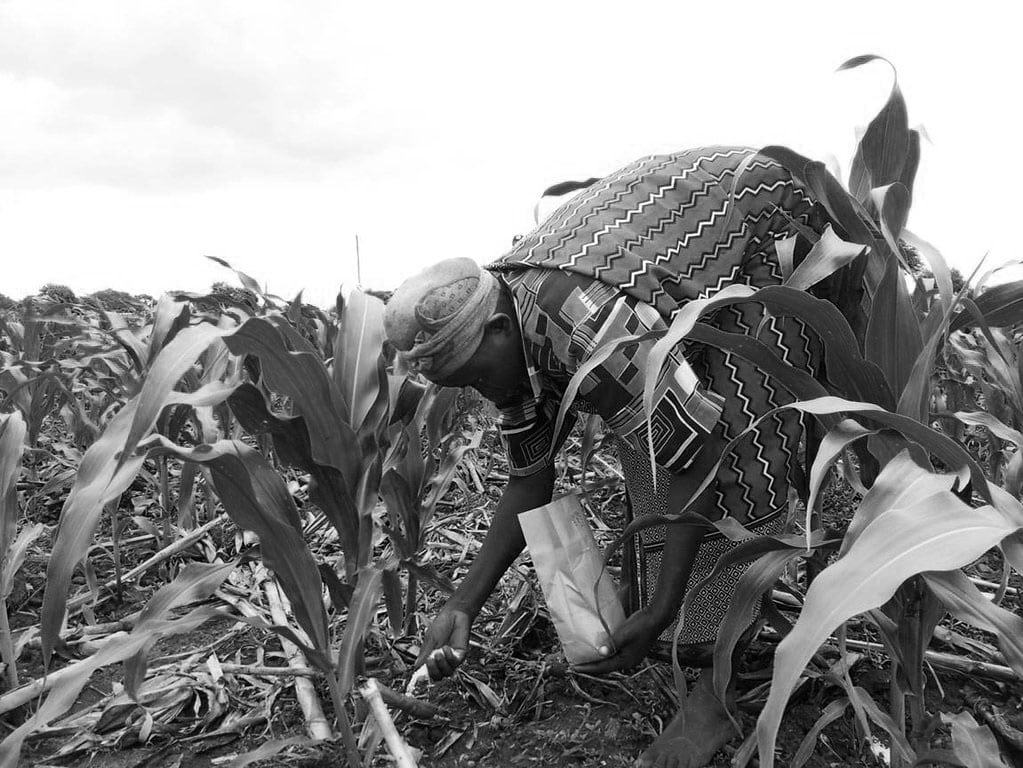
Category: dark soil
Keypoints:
(514, 703)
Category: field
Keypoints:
(226, 519)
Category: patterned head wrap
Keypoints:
(436, 319)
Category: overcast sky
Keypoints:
(139, 136)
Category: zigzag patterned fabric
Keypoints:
(668, 229)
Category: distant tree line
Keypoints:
(108, 299)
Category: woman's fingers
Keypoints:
(442, 662)
(603, 666)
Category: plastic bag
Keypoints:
(568, 563)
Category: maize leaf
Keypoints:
(832, 446)
(357, 351)
(248, 282)
(63, 697)
(758, 579)
(360, 615)
(393, 599)
(12, 443)
(937, 532)
(108, 468)
(174, 360)
(169, 319)
(828, 255)
(964, 601)
(1000, 306)
(831, 713)
(893, 340)
(255, 497)
(292, 368)
(882, 497)
(885, 147)
(329, 490)
(975, 745)
(101, 478)
(194, 583)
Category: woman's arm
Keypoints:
(504, 541)
(632, 640)
(449, 631)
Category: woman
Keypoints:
(620, 259)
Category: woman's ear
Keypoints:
(499, 323)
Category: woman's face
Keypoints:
(499, 389)
(497, 370)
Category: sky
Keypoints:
(139, 137)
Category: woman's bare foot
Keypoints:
(695, 734)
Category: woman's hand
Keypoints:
(446, 642)
(632, 640)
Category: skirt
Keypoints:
(643, 553)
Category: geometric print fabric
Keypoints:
(644, 551)
(621, 257)
(564, 318)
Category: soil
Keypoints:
(514, 702)
(521, 712)
(499, 711)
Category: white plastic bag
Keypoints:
(568, 563)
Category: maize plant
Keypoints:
(927, 508)
(13, 543)
(30, 376)
(371, 444)
(983, 377)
